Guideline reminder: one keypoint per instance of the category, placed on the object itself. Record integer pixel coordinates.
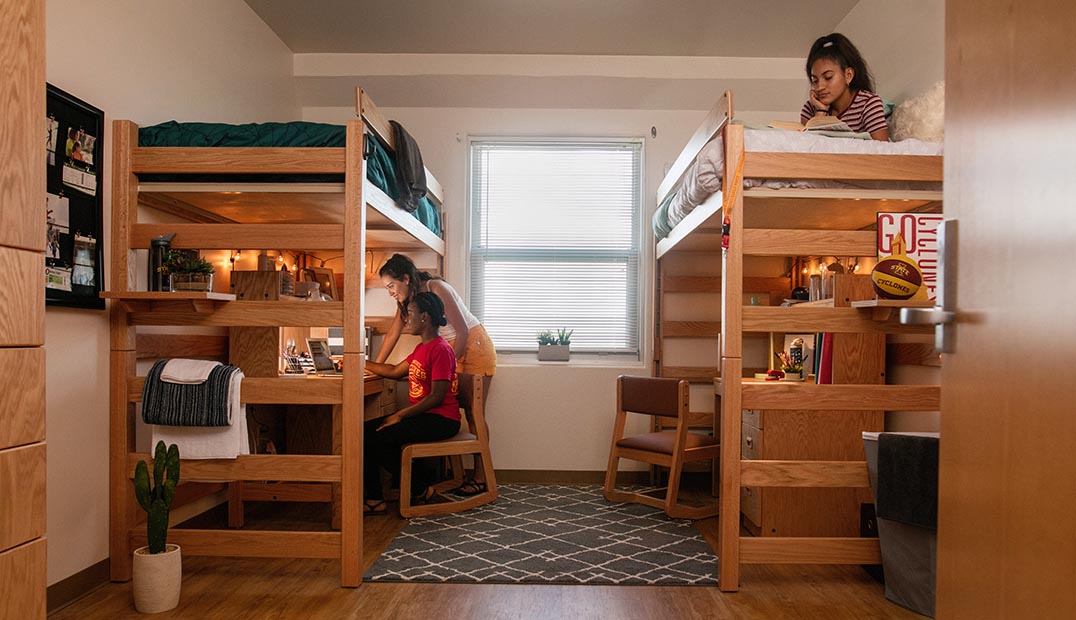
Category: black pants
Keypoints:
(382, 449)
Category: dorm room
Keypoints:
(282, 532)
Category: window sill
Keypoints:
(577, 359)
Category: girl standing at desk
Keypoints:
(433, 414)
(475, 353)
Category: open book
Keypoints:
(817, 123)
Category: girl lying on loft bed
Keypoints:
(433, 414)
(842, 86)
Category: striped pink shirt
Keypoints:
(866, 113)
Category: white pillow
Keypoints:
(921, 117)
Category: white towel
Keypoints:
(187, 371)
(211, 442)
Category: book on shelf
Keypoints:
(918, 233)
(824, 370)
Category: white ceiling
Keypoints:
(680, 54)
(759, 28)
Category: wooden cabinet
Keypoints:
(778, 435)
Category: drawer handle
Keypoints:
(747, 491)
(748, 441)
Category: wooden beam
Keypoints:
(237, 160)
(769, 242)
(250, 543)
(214, 236)
(690, 329)
(789, 395)
(788, 550)
(285, 467)
(841, 166)
(246, 313)
(911, 354)
(800, 319)
(272, 390)
(155, 346)
(803, 474)
(177, 207)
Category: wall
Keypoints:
(902, 42)
(149, 61)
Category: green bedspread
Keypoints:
(380, 166)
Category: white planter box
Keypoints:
(553, 353)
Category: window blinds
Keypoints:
(555, 241)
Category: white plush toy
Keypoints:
(921, 117)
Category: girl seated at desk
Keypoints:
(433, 414)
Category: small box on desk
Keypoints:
(262, 285)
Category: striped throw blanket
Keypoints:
(175, 404)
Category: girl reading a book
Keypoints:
(434, 412)
(842, 87)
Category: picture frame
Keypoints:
(323, 276)
(74, 169)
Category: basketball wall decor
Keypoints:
(897, 276)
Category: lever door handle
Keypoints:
(926, 316)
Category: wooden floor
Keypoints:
(241, 589)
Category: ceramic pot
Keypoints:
(791, 376)
(202, 282)
(156, 579)
(553, 353)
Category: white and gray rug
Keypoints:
(567, 534)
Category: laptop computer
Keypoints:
(319, 354)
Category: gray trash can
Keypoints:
(909, 552)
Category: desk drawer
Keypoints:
(22, 489)
(387, 399)
(750, 442)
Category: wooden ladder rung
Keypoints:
(809, 396)
(804, 474)
(790, 550)
(249, 543)
(283, 467)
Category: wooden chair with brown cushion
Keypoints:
(667, 398)
(474, 440)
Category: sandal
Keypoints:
(426, 497)
(374, 507)
(470, 488)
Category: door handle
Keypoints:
(943, 315)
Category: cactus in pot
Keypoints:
(156, 498)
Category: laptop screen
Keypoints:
(319, 353)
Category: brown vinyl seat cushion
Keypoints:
(663, 442)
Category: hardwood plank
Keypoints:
(215, 236)
(247, 313)
(22, 106)
(23, 580)
(842, 166)
(121, 437)
(732, 314)
(912, 353)
(809, 396)
(251, 544)
(286, 492)
(810, 551)
(22, 324)
(695, 374)
(798, 319)
(690, 329)
(770, 242)
(306, 390)
(283, 467)
(804, 474)
(22, 408)
(154, 346)
(124, 214)
(237, 160)
(22, 487)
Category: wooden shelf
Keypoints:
(188, 301)
(885, 309)
(304, 390)
(166, 295)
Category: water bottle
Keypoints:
(158, 253)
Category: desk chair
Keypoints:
(667, 398)
(473, 441)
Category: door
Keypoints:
(1007, 508)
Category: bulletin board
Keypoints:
(74, 163)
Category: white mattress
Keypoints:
(703, 179)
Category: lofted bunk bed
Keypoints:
(339, 211)
(721, 203)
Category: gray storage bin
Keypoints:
(909, 552)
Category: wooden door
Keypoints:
(1007, 512)
(22, 310)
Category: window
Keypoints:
(555, 241)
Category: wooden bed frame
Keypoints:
(348, 218)
(786, 223)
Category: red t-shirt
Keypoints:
(434, 361)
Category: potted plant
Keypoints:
(792, 367)
(187, 271)
(554, 347)
(158, 567)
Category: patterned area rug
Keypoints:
(566, 534)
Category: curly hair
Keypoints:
(839, 49)
(432, 305)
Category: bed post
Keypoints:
(731, 361)
(122, 354)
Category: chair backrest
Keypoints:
(660, 396)
(476, 413)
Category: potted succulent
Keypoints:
(158, 567)
(792, 367)
(554, 347)
(186, 271)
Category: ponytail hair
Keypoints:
(432, 305)
(399, 266)
(839, 49)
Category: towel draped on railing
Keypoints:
(175, 404)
